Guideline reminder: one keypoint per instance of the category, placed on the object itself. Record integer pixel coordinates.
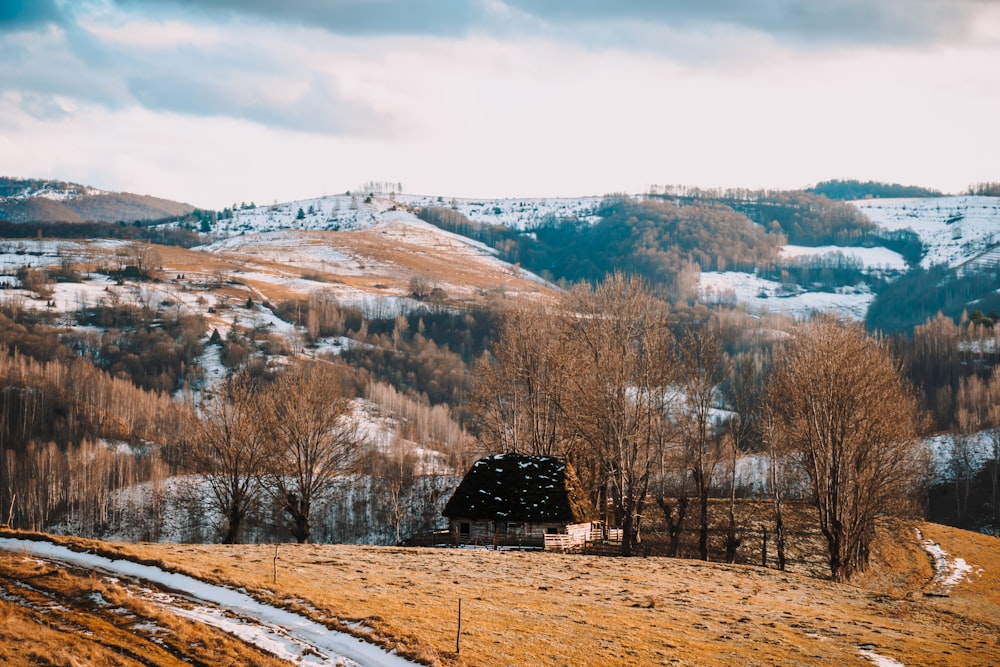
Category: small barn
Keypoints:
(516, 500)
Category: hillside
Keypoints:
(39, 201)
(405, 307)
(930, 598)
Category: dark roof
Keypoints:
(515, 487)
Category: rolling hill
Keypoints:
(41, 201)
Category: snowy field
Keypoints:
(514, 213)
(953, 229)
(872, 259)
(768, 296)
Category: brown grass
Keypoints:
(549, 609)
(390, 254)
(56, 616)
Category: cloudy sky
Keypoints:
(217, 101)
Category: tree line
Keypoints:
(609, 381)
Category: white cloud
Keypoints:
(232, 110)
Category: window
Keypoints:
(464, 529)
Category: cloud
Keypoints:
(349, 17)
(273, 78)
(311, 105)
(22, 14)
(803, 22)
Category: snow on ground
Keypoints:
(868, 652)
(769, 296)
(382, 432)
(953, 229)
(948, 572)
(948, 450)
(521, 213)
(304, 254)
(56, 191)
(872, 259)
(331, 213)
(289, 635)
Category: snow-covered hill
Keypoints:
(954, 230)
(515, 213)
(962, 232)
(357, 211)
(44, 201)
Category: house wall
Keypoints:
(507, 532)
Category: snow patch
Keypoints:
(948, 572)
(880, 660)
(287, 634)
(769, 296)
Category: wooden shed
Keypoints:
(515, 500)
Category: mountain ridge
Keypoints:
(45, 201)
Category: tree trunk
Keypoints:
(235, 518)
(703, 531)
(674, 525)
(298, 509)
(732, 541)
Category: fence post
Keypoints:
(763, 546)
(458, 637)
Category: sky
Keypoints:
(214, 102)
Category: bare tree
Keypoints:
(521, 387)
(703, 368)
(315, 438)
(672, 494)
(744, 394)
(995, 463)
(143, 258)
(621, 369)
(231, 449)
(777, 462)
(840, 400)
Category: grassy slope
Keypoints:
(548, 609)
(50, 615)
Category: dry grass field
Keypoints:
(53, 616)
(381, 260)
(550, 609)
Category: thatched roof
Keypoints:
(515, 487)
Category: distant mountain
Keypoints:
(35, 200)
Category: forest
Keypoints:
(664, 237)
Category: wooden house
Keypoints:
(514, 500)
